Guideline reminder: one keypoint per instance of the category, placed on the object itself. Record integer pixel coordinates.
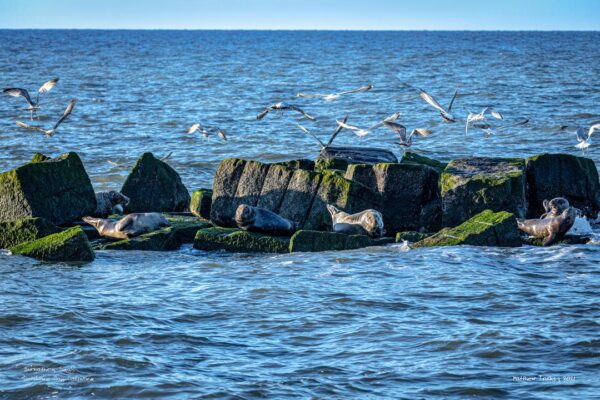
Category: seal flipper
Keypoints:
(549, 239)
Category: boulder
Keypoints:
(200, 203)
(323, 164)
(237, 240)
(225, 183)
(487, 228)
(299, 196)
(562, 175)
(471, 185)
(153, 186)
(274, 187)
(58, 190)
(363, 174)
(348, 196)
(24, 230)
(353, 155)
(411, 236)
(314, 241)
(414, 158)
(69, 245)
(301, 163)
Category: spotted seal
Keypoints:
(111, 202)
(256, 219)
(549, 228)
(369, 221)
(129, 226)
(555, 207)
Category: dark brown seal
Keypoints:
(550, 228)
(256, 219)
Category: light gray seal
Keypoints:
(129, 226)
(261, 220)
(555, 207)
(550, 228)
(111, 202)
(367, 222)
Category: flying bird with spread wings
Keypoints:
(444, 112)
(284, 107)
(34, 105)
(333, 96)
(50, 132)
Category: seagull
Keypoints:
(360, 132)
(472, 117)
(488, 131)
(391, 118)
(283, 107)
(584, 138)
(445, 113)
(50, 132)
(205, 131)
(33, 105)
(333, 96)
(406, 141)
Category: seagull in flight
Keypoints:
(472, 117)
(284, 107)
(362, 132)
(50, 132)
(445, 113)
(33, 105)
(406, 141)
(333, 96)
(584, 138)
(206, 131)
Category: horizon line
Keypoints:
(298, 30)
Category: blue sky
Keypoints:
(303, 14)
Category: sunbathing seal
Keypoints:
(550, 228)
(261, 220)
(555, 207)
(369, 221)
(129, 226)
(111, 202)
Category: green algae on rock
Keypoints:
(241, 241)
(471, 185)
(56, 189)
(69, 245)
(154, 186)
(24, 230)
(414, 158)
(200, 203)
(487, 228)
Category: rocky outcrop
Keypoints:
(411, 236)
(24, 230)
(410, 198)
(70, 245)
(237, 240)
(153, 186)
(414, 158)
(200, 203)
(487, 228)
(314, 241)
(471, 185)
(334, 157)
(562, 175)
(58, 190)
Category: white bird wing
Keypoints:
(593, 128)
(301, 111)
(30, 127)
(361, 89)
(422, 132)
(193, 129)
(66, 114)
(336, 132)
(18, 92)
(452, 101)
(431, 101)
(346, 126)
(496, 114)
(305, 130)
(46, 87)
(391, 118)
(398, 128)
(311, 96)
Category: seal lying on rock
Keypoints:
(111, 202)
(129, 226)
(261, 220)
(550, 228)
(555, 207)
(368, 222)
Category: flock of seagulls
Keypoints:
(473, 120)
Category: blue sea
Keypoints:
(383, 322)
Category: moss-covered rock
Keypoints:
(225, 183)
(299, 196)
(200, 203)
(363, 174)
(314, 241)
(411, 236)
(323, 164)
(274, 187)
(302, 163)
(182, 230)
(471, 185)
(69, 245)
(237, 240)
(39, 157)
(487, 228)
(414, 158)
(58, 190)
(562, 175)
(154, 186)
(353, 155)
(24, 230)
